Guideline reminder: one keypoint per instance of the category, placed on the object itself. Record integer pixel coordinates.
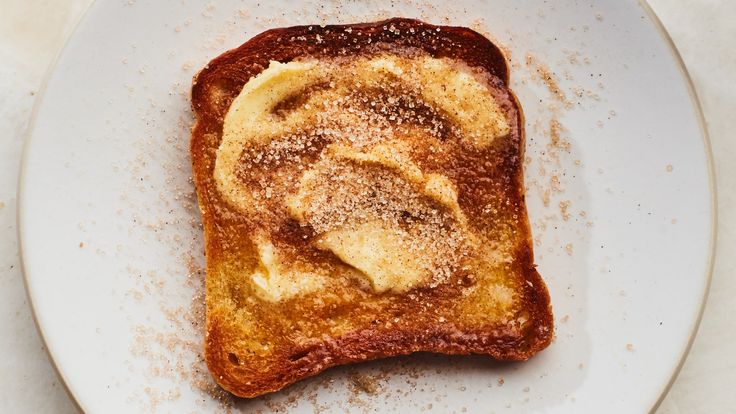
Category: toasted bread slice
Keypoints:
(362, 196)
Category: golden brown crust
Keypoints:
(251, 375)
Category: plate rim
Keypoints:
(705, 135)
(40, 95)
(694, 100)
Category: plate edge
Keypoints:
(51, 68)
(705, 137)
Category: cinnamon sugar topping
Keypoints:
(361, 153)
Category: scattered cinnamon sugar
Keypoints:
(552, 159)
(208, 10)
(564, 205)
(549, 79)
(555, 185)
(568, 248)
(171, 353)
(573, 57)
(546, 196)
(557, 143)
(364, 383)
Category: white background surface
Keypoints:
(32, 31)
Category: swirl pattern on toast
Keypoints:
(362, 195)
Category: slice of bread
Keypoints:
(362, 195)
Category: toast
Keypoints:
(362, 196)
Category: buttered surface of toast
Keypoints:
(366, 195)
(376, 195)
(368, 182)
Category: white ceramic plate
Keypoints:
(622, 210)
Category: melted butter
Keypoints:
(248, 120)
(391, 257)
(379, 251)
(275, 279)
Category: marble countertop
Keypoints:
(32, 31)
